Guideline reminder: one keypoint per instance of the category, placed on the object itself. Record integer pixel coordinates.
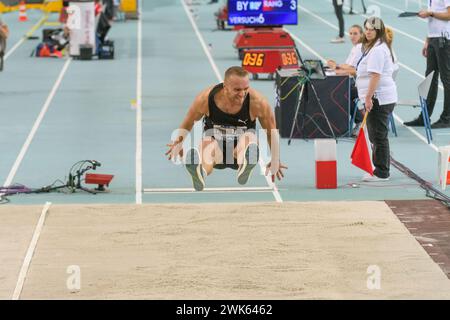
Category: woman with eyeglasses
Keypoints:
(378, 92)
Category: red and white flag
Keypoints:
(362, 152)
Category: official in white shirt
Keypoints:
(437, 52)
(377, 90)
(348, 68)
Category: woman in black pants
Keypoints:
(338, 4)
(378, 91)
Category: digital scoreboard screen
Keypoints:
(262, 12)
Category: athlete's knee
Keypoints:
(210, 150)
(248, 137)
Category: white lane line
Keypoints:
(202, 42)
(36, 125)
(306, 46)
(415, 132)
(30, 252)
(393, 28)
(272, 185)
(139, 108)
(211, 190)
(396, 117)
(14, 48)
(395, 9)
(22, 40)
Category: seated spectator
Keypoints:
(349, 68)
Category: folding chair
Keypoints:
(423, 89)
(391, 120)
(391, 123)
(352, 118)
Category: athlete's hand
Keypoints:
(275, 170)
(175, 150)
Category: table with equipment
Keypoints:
(324, 109)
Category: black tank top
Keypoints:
(218, 117)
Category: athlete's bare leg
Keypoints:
(211, 154)
(244, 140)
(246, 153)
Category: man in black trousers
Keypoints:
(437, 52)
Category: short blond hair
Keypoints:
(236, 71)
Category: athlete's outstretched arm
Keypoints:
(195, 112)
(266, 117)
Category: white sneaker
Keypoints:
(369, 178)
(195, 169)
(250, 161)
(338, 40)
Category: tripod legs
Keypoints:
(294, 122)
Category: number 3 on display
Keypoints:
(253, 59)
(293, 5)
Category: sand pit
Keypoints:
(218, 251)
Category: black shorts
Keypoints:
(228, 161)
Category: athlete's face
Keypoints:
(236, 88)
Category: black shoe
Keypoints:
(415, 123)
(440, 124)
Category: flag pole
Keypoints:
(365, 119)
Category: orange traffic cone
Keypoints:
(22, 11)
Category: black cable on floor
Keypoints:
(430, 190)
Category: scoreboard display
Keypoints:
(262, 12)
(259, 61)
